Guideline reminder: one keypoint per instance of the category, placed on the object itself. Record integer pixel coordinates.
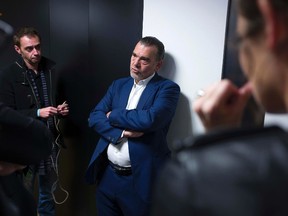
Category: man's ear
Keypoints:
(17, 49)
(159, 65)
(273, 26)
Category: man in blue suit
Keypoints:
(132, 119)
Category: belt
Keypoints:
(119, 170)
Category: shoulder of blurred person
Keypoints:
(19, 135)
(237, 172)
(15, 200)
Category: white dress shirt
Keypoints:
(119, 154)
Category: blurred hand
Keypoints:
(8, 168)
(222, 105)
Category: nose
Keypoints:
(136, 62)
(36, 51)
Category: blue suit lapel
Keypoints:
(148, 92)
(125, 93)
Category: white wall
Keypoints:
(193, 33)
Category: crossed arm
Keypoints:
(110, 120)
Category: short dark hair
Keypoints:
(25, 31)
(249, 10)
(153, 41)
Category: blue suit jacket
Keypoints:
(152, 116)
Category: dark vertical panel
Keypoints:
(70, 49)
(253, 116)
(115, 27)
(25, 13)
(231, 67)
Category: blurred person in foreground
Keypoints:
(20, 138)
(133, 119)
(233, 170)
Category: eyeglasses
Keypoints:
(239, 41)
(254, 28)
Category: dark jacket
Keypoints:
(16, 90)
(240, 172)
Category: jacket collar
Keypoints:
(45, 63)
(222, 135)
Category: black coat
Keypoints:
(237, 173)
(16, 90)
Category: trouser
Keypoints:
(116, 196)
(46, 204)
